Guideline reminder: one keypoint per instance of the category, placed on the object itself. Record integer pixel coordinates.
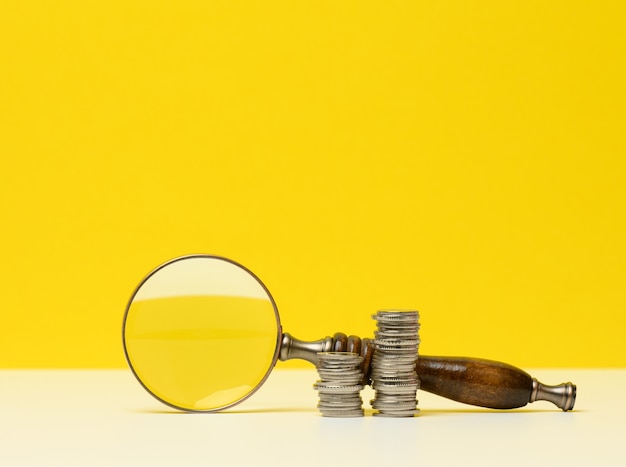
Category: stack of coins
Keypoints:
(393, 365)
(339, 386)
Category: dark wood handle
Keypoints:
(475, 381)
(487, 383)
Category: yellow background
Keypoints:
(465, 158)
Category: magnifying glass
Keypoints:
(201, 333)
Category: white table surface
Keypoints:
(104, 418)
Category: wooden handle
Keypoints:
(487, 383)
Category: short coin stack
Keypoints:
(340, 385)
(393, 365)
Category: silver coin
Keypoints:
(393, 368)
(344, 382)
(396, 316)
(395, 325)
(328, 406)
(353, 360)
(347, 357)
(383, 324)
(391, 402)
(397, 381)
(338, 368)
(412, 317)
(407, 371)
(338, 355)
(334, 377)
(396, 343)
(396, 356)
(390, 377)
(390, 407)
(335, 390)
(340, 398)
(408, 414)
(384, 368)
(338, 373)
(337, 409)
(350, 414)
(396, 334)
(394, 386)
(394, 359)
(357, 404)
(391, 348)
(332, 384)
(348, 408)
(379, 375)
(340, 403)
(396, 350)
(399, 334)
(340, 378)
(395, 407)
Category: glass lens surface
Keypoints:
(201, 333)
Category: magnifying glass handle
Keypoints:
(487, 383)
(474, 381)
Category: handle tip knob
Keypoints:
(562, 395)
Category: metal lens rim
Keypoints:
(279, 333)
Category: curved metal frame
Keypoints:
(279, 333)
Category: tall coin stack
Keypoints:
(393, 375)
(340, 385)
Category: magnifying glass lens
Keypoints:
(201, 333)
